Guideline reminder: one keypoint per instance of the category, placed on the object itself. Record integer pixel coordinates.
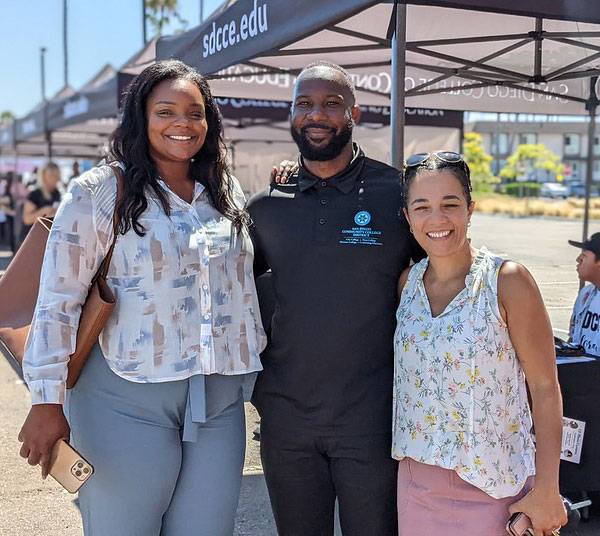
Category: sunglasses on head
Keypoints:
(450, 157)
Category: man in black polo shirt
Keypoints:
(336, 242)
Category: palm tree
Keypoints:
(7, 117)
(160, 13)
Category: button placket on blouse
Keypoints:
(203, 243)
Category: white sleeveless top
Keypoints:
(460, 400)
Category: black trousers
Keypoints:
(305, 473)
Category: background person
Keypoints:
(43, 201)
(19, 194)
(585, 321)
(7, 212)
(158, 409)
(472, 329)
(75, 171)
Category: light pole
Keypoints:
(144, 21)
(398, 89)
(591, 106)
(65, 44)
(43, 72)
(45, 101)
(201, 11)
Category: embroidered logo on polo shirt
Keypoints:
(361, 234)
(362, 218)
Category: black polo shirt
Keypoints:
(336, 248)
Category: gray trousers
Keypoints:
(167, 457)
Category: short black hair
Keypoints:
(346, 80)
(459, 169)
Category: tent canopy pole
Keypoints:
(398, 73)
(591, 106)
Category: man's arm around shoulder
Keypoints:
(257, 228)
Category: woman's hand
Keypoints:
(281, 173)
(531, 334)
(545, 510)
(43, 427)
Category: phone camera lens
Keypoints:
(77, 473)
(80, 465)
(86, 470)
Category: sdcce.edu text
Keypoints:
(230, 34)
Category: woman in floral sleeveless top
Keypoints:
(472, 329)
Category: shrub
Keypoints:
(523, 189)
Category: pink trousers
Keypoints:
(433, 501)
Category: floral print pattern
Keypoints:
(460, 400)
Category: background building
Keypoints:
(565, 136)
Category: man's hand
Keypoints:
(43, 427)
(281, 173)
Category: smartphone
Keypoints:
(69, 468)
(519, 525)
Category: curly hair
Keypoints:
(129, 145)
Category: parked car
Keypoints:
(577, 189)
(554, 190)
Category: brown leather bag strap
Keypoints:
(104, 266)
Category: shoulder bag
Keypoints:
(19, 287)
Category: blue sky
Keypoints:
(99, 32)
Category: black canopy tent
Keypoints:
(135, 65)
(74, 123)
(257, 131)
(258, 120)
(69, 124)
(278, 111)
(7, 136)
(79, 123)
(31, 134)
(89, 115)
(536, 56)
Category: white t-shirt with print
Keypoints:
(585, 321)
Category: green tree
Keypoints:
(160, 13)
(479, 162)
(7, 117)
(530, 157)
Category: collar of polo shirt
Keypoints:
(344, 181)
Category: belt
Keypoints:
(208, 396)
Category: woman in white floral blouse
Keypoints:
(472, 330)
